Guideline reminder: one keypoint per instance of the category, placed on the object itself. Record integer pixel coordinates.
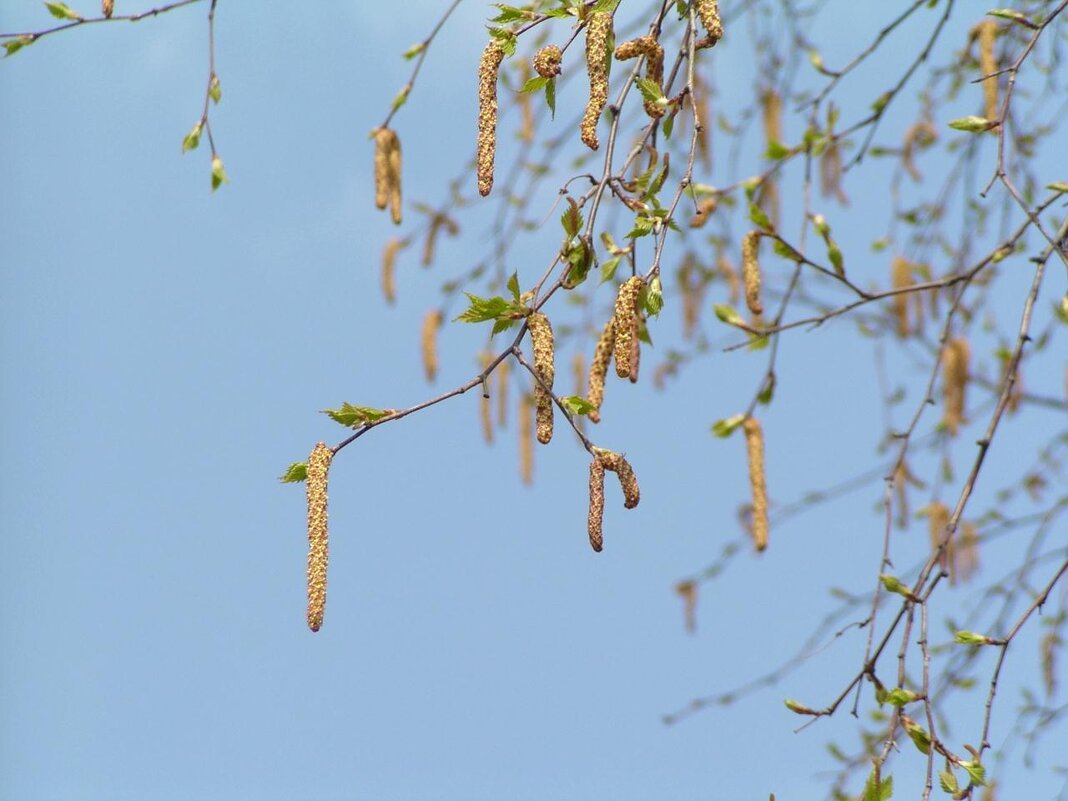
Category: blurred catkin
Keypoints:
(526, 439)
(107, 7)
(754, 443)
(602, 355)
(955, 381)
(485, 410)
(388, 172)
(751, 271)
(318, 469)
(541, 335)
(487, 114)
(502, 393)
(987, 33)
(389, 262)
(595, 519)
(429, 342)
(708, 11)
(901, 278)
(598, 32)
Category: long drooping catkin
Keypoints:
(831, 173)
(541, 335)
(955, 381)
(388, 172)
(901, 278)
(318, 537)
(547, 61)
(988, 65)
(938, 519)
(526, 439)
(625, 324)
(751, 271)
(595, 519)
(491, 60)
(429, 341)
(628, 482)
(502, 393)
(602, 355)
(485, 410)
(708, 11)
(107, 7)
(598, 32)
(754, 444)
(654, 65)
(389, 261)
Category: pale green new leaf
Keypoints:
(62, 11)
(295, 473)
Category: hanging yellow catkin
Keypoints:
(955, 381)
(771, 106)
(541, 335)
(602, 355)
(654, 65)
(526, 439)
(547, 61)
(628, 482)
(388, 172)
(964, 554)
(502, 393)
(108, 7)
(318, 537)
(937, 514)
(429, 341)
(901, 278)
(987, 32)
(751, 271)
(704, 211)
(625, 324)
(831, 173)
(754, 444)
(598, 32)
(485, 410)
(595, 519)
(490, 62)
(389, 261)
(708, 11)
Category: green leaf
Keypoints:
(653, 296)
(215, 89)
(948, 782)
(972, 124)
(1013, 15)
(192, 139)
(776, 151)
(1061, 310)
(580, 260)
(295, 473)
(608, 269)
(971, 638)
(728, 314)
(724, 428)
(401, 97)
(571, 219)
(787, 252)
(834, 253)
(576, 404)
(550, 97)
(918, 734)
(502, 325)
(12, 46)
(899, 697)
(1058, 186)
(535, 84)
(483, 309)
(218, 174)
(895, 585)
(976, 772)
(643, 226)
(759, 217)
(880, 102)
(875, 790)
(513, 286)
(651, 92)
(414, 51)
(62, 11)
(355, 416)
(798, 708)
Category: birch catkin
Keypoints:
(708, 11)
(654, 65)
(955, 381)
(751, 271)
(602, 355)
(485, 410)
(108, 7)
(598, 31)
(526, 436)
(628, 482)
(547, 61)
(541, 335)
(754, 444)
(625, 325)
(429, 341)
(595, 520)
(388, 172)
(988, 65)
(502, 393)
(389, 261)
(318, 469)
(491, 60)
(901, 278)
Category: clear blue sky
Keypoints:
(164, 354)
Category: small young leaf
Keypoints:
(192, 139)
(483, 309)
(12, 46)
(513, 286)
(918, 734)
(608, 269)
(726, 427)
(535, 84)
(1013, 15)
(976, 772)
(948, 782)
(653, 296)
(62, 11)
(571, 219)
(218, 174)
(972, 124)
(355, 416)
(971, 638)
(894, 584)
(798, 708)
(899, 697)
(414, 50)
(296, 472)
(1058, 186)
(760, 217)
(576, 404)
(776, 151)
(215, 90)
(728, 314)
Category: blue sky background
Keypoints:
(164, 355)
